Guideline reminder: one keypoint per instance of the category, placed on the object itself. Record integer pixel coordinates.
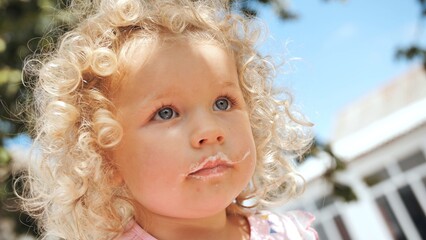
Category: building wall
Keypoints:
(390, 183)
(393, 175)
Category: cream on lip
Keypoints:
(220, 159)
(211, 162)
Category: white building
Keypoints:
(382, 137)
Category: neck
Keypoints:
(218, 226)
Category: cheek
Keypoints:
(252, 150)
(243, 134)
(252, 158)
(147, 157)
(243, 140)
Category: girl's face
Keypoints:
(187, 149)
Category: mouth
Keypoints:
(211, 166)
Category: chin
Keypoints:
(209, 209)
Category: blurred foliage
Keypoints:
(340, 190)
(22, 24)
(415, 51)
(248, 8)
(281, 7)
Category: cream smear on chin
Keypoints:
(213, 166)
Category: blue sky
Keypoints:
(338, 51)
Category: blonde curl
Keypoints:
(59, 71)
(108, 130)
(62, 113)
(122, 12)
(104, 61)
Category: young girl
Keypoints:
(158, 120)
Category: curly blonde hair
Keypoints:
(68, 188)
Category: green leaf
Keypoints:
(4, 157)
(345, 192)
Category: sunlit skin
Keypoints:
(179, 105)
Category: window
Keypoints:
(324, 201)
(341, 227)
(397, 199)
(332, 225)
(376, 177)
(321, 232)
(414, 209)
(412, 161)
(390, 219)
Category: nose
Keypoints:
(207, 132)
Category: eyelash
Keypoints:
(232, 100)
(163, 106)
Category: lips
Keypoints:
(211, 166)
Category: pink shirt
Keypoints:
(264, 225)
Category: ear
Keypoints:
(116, 178)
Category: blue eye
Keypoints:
(165, 113)
(222, 104)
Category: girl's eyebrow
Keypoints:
(160, 93)
(229, 84)
(165, 93)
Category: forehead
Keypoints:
(142, 48)
(170, 64)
